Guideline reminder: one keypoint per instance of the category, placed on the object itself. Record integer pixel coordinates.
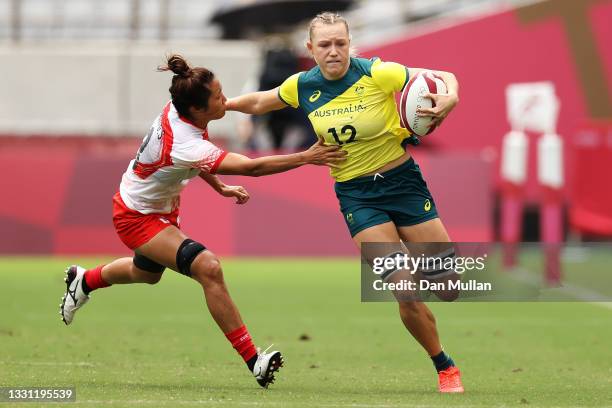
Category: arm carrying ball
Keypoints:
(443, 103)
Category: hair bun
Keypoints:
(179, 66)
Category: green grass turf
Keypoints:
(157, 346)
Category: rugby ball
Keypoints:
(413, 98)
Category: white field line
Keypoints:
(279, 403)
(575, 291)
(241, 403)
(50, 363)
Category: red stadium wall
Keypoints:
(57, 200)
(492, 52)
(566, 42)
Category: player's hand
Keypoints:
(239, 192)
(443, 105)
(230, 105)
(321, 155)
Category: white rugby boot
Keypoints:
(266, 365)
(74, 298)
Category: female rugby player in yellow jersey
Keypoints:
(383, 197)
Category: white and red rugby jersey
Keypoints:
(173, 152)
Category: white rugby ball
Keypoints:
(413, 98)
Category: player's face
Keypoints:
(329, 46)
(216, 101)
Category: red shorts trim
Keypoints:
(136, 229)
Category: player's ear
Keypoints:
(309, 46)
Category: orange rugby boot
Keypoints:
(449, 380)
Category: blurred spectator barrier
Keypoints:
(112, 89)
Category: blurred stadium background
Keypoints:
(79, 90)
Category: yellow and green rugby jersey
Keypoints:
(357, 112)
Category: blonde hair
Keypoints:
(328, 18)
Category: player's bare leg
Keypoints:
(449, 376)
(206, 270)
(123, 271)
(435, 240)
(421, 323)
(428, 231)
(416, 316)
(80, 282)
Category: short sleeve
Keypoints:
(200, 154)
(288, 91)
(389, 76)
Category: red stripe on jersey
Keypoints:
(144, 170)
(217, 162)
(184, 119)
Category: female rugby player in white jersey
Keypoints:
(383, 197)
(146, 207)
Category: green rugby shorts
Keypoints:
(399, 195)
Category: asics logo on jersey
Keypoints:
(315, 96)
(165, 221)
(427, 205)
(360, 90)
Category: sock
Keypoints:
(442, 361)
(242, 342)
(93, 280)
(251, 362)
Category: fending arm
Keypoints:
(256, 103)
(317, 154)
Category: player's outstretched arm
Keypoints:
(256, 103)
(318, 154)
(238, 192)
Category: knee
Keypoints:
(206, 269)
(151, 278)
(146, 270)
(448, 295)
(142, 276)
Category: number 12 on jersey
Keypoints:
(345, 129)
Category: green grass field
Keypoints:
(157, 346)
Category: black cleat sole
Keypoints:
(276, 362)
